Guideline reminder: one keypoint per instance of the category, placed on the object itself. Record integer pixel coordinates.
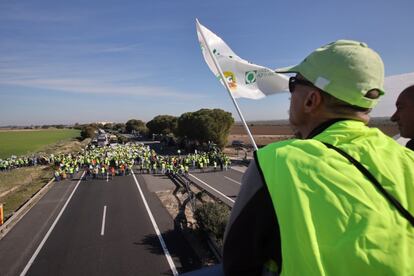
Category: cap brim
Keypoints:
(289, 69)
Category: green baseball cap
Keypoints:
(345, 69)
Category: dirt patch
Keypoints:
(266, 133)
(66, 147)
(265, 129)
(259, 139)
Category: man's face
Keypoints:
(404, 115)
(297, 116)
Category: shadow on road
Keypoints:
(178, 248)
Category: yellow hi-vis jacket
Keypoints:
(332, 219)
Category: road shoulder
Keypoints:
(183, 254)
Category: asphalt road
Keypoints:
(81, 245)
(18, 245)
(105, 229)
(223, 184)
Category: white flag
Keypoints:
(245, 80)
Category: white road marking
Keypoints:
(157, 230)
(29, 264)
(237, 182)
(217, 191)
(239, 169)
(103, 221)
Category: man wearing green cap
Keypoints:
(339, 199)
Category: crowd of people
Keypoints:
(181, 164)
(23, 161)
(108, 161)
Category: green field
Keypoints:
(24, 142)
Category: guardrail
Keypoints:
(23, 209)
(186, 183)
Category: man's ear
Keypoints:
(312, 101)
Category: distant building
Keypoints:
(104, 123)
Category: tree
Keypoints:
(77, 126)
(135, 125)
(162, 124)
(108, 126)
(119, 127)
(205, 125)
(213, 217)
(88, 132)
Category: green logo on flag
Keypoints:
(250, 77)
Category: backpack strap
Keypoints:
(403, 212)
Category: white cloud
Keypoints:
(79, 77)
(97, 87)
(120, 48)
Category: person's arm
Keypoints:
(252, 234)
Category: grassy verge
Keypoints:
(25, 142)
(19, 185)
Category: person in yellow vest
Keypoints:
(71, 172)
(154, 168)
(339, 199)
(103, 171)
(57, 175)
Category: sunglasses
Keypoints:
(293, 81)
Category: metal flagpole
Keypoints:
(227, 86)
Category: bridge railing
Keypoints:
(186, 183)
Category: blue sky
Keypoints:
(86, 61)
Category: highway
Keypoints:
(106, 227)
(224, 184)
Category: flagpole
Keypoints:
(227, 86)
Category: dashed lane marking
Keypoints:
(103, 221)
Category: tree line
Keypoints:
(199, 127)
